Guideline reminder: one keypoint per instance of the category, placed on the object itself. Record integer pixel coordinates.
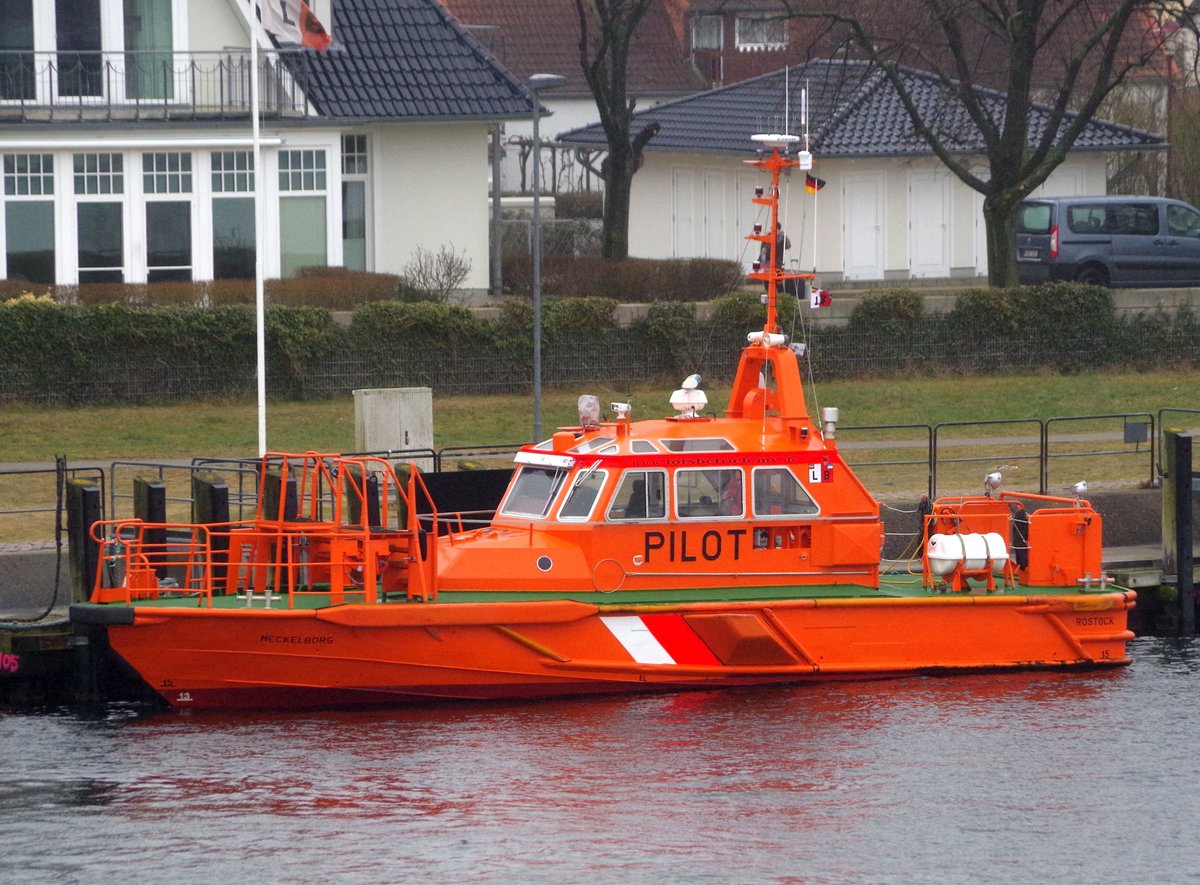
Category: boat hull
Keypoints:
(374, 655)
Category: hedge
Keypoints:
(120, 353)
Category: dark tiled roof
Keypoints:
(853, 112)
(542, 37)
(407, 59)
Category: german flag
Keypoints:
(812, 184)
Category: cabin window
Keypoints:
(590, 445)
(642, 495)
(582, 498)
(642, 447)
(777, 492)
(697, 445)
(533, 491)
(704, 494)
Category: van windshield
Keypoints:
(1034, 218)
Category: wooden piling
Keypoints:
(1177, 522)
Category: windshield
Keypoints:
(533, 491)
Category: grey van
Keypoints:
(1109, 241)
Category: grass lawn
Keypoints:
(37, 434)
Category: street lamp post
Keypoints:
(537, 84)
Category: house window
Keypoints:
(28, 175)
(16, 50)
(100, 223)
(77, 26)
(233, 216)
(168, 222)
(354, 201)
(168, 172)
(100, 227)
(759, 32)
(99, 174)
(302, 218)
(302, 170)
(708, 32)
(354, 155)
(28, 220)
(148, 43)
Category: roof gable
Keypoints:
(853, 112)
(406, 59)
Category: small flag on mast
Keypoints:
(293, 22)
(812, 184)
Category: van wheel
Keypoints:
(1092, 275)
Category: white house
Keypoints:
(888, 208)
(125, 138)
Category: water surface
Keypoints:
(1059, 778)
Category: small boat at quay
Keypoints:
(685, 552)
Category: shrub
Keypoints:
(1065, 325)
(579, 204)
(436, 277)
(629, 280)
(896, 312)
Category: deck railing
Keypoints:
(147, 85)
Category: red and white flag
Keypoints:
(293, 22)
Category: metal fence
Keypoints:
(625, 359)
(140, 85)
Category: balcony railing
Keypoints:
(48, 86)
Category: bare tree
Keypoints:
(1067, 54)
(605, 30)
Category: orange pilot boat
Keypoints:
(688, 552)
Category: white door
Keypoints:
(716, 240)
(683, 215)
(862, 195)
(929, 224)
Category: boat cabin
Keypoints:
(746, 500)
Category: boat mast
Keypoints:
(781, 158)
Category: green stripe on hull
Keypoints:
(891, 587)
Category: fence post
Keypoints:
(1177, 512)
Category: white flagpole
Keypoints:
(804, 114)
(816, 193)
(260, 318)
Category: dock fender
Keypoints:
(103, 615)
